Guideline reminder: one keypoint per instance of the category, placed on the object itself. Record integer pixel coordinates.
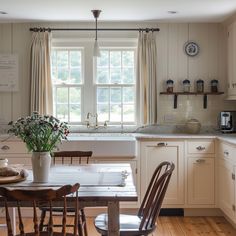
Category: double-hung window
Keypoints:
(67, 78)
(103, 85)
(115, 86)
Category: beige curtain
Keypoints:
(40, 72)
(147, 79)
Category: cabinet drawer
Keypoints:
(12, 147)
(199, 147)
(227, 151)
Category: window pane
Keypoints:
(103, 60)
(75, 95)
(103, 112)
(75, 113)
(62, 95)
(102, 76)
(128, 113)
(75, 76)
(62, 112)
(62, 58)
(115, 76)
(63, 74)
(75, 58)
(54, 58)
(115, 113)
(115, 58)
(54, 75)
(128, 94)
(128, 58)
(102, 95)
(115, 95)
(128, 75)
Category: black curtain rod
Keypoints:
(89, 29)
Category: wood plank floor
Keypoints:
(172, 226)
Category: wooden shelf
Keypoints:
(205, 94)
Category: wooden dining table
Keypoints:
(100, 185)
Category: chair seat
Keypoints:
(129, 225)
(46, 234)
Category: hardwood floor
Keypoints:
(172, 226)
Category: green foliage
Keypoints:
(41, 133)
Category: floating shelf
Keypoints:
(205, 94)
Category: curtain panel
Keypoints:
(41, 85)
(146, 79)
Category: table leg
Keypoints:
(113, 218)
(12, 214)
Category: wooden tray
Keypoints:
(11, 179)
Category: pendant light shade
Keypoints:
(96, 49)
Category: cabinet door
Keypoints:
(152, 154)
(231, 51)
(226, 187)
(201, 184)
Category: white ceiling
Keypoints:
(119, 10)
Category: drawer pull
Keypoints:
(226, 153)
(200, 148)
(200, 161)
(5, 147)
(161, 144)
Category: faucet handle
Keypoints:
(105, 123)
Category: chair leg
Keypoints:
(84, 224)
(80, 226)
(42, 218)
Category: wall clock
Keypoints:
(191, 48)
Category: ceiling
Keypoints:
(120, 10)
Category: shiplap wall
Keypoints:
(172, 63)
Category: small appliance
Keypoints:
(228, 121)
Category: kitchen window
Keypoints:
(104, 85)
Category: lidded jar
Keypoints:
(200, 86)
(214, 86)
(186, 86)
(169, 86)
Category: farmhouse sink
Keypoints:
(102, 144)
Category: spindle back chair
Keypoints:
(48, 197)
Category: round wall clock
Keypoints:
(191, 48)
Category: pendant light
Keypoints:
(96, 49)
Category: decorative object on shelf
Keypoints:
(186, 86)
(41, 133)
(191, 48)
(193, 126)
(214, 86)
(200, 86)
(169, 86)
(96, 49)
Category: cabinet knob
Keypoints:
(5, 147)
(200, 160)
(200, 148)
(226, 153)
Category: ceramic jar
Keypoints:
(186, 86)
(3, 162)
(200, 86)
(193, 126)
(169, 86)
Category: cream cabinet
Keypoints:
(200, 158)
(201, 180)
(231, 61)
(227, 185)
(152, 153)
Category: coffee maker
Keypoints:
(228, 121)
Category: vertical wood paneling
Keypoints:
(5, 97)
(21, 46)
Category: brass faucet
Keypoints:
(89, 116)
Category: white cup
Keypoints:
(3, 162)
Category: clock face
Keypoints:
(191, 48)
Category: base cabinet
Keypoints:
(201, 180)
(155, 152)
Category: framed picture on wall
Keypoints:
(191, 48)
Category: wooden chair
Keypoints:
(144, 222)
(69, 157)
(33, 198)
